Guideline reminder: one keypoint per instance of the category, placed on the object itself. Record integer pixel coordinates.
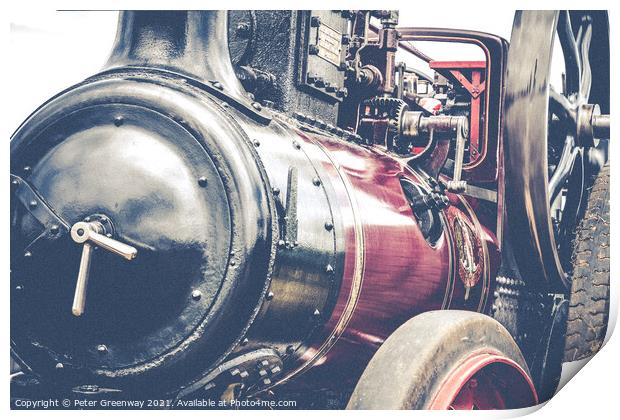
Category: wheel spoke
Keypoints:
(574, 202)
(584, 57)
(579, 37)
(562, 107)
(563, 169)
(571, 53)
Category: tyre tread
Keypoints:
(589, 302)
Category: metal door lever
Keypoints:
(91, 231)
(79, 299)
(90, 234)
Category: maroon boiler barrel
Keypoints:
(391, 272)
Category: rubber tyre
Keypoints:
(408, 370)
(589, 300)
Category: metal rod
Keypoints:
(407, 46)
(600, 126)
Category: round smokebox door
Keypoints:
(121, 207)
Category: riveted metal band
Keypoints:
(356, 281)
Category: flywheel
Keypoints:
(555, 133)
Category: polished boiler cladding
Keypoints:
(172, 235)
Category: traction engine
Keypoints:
(270, 205)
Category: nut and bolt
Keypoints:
(342, 92)
(243, 30)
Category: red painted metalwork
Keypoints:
(458, 64)
(476, 88)
(485, 168)
(474, 117)
(470, 385)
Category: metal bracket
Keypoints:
(255, 370)
(290, 217)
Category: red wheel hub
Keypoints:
(485, 380)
